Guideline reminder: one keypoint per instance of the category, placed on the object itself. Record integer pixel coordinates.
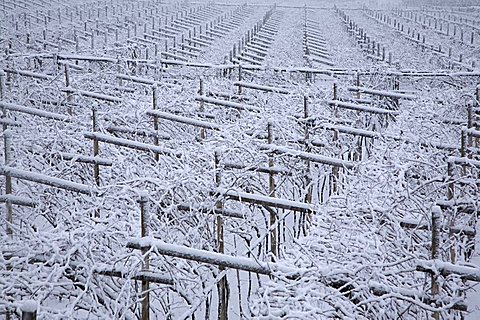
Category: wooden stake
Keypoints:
(8, 178)
(8, 157)
(271, 185)
(477, 105)
(96, 150)
(308, 180)
(29, 310)
(450, 187)
(155, 119)
(222, 284)
(202, 108)
(436, 221)
(240, 78)
(357, 83)
(335, 170)
(144, 222)
(69, 97)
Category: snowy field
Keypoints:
(239, 160)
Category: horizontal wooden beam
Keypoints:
(95, 95)
(203, 256)
(464, 161)
(131, 144)
(223, 212)
(388, 94)
(139, 132)
(30, 74)
(360, 107)
(228, 104)
(33, 111)
(184, 120)
(418, 225)
(143, 80)
(262, 169)
(307, 156)
(47, 180)
(82, 158)
(20, 201)
(263, 200)
(260, 87)
(144, 275)
(446, 269)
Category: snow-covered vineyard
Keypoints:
(259, 160)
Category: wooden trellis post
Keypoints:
(271, 186)
(201, 92)
(96, 151)
(155, 119)
(450, 186)
(335, 170)
(69, 96)
(8, 179)
(144, 222)
(7, 157)
(357, 83)
(477, 105)
(240, 78)
(29, 310)
(308, 180)
(435, 248)
(222, 284)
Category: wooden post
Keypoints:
(2, 84)
(201, 92)
(450, 187)
(477, 105)
(435, 248)
(155, 119)
(7, 156)
(240, 78)
(144, 222)
(69, 97)
(222, 284)
(77, 43)
(308, 180)
(8, 179)
(463, 148)
(29, 310)
(96, 150)
(272, 186)
(335, 169)
(44, 34)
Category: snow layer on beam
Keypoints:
(219, 259)
(308, 156)
(229, 104)
(260, 87)
(185, 120)
(359, 107)
(94, 95)
(464, 160)
(32, 111)
(467, 272)
(388, 94)
(131, 144)
(47, 180)
(264, 200)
